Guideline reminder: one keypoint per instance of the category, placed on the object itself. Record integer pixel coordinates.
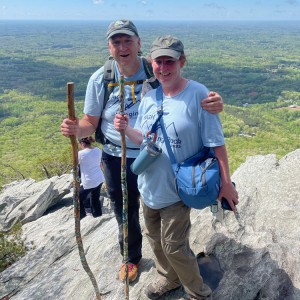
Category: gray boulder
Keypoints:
(27, 200)
(254, 258)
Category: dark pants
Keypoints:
(112, 174)
(90, 201)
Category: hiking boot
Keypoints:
(160, 288)
(132, 272)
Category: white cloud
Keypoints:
(143, 2)
(98, 1)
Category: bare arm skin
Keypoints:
(80, 128)
(227, 191)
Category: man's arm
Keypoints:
(80, 128)
(213, 103)
(88, 125)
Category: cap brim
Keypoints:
(165, 52)
(121, 31)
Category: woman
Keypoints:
(189, 128)
(91, 178)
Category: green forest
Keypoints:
(254, 66)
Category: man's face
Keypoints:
(124, 48)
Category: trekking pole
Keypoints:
(76, 188)
(124, 190)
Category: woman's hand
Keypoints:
(121, 122)
(229, 192)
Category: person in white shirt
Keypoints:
(92, 178)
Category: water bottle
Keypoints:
(148, 154)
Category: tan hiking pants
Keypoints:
(167, 230)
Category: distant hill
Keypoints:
(247, 62)
(255, 66)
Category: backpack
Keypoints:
(109, 80)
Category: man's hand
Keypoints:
(69, 127)
(213, 103)
(80, 128)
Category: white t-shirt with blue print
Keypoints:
(188, 127)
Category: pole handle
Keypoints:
(70, 96)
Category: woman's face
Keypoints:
(166, 69)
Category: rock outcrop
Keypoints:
(26, 201)
(255, 258)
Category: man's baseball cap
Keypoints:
(167, 46)
(121, 27)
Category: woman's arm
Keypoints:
(228, 190)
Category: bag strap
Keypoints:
(159, 99)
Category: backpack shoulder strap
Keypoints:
(147, 67)
(108, 77)
(149, 73)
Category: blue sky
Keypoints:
(151, 9)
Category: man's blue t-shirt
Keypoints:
(93, 106)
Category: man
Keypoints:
(124, 45)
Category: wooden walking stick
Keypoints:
(76, 188)
(124, 190)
